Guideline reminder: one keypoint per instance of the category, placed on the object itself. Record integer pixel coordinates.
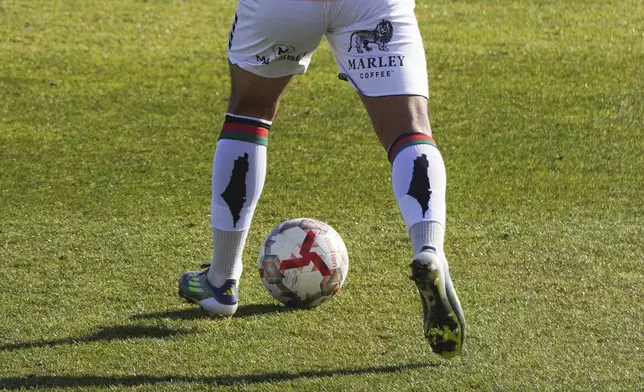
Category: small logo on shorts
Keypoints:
(281, 49)
(280, 52)
(380, 36)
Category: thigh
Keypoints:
(253, 95)
(378, 47)
(275, 38)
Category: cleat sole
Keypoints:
(443, 328)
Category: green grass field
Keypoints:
(109, 115)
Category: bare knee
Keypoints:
(394, 115)
(252, 104)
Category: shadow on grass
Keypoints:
(196, 313)
(106, 334)
(136, 332)
(224, 380)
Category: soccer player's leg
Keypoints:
(419, 185)
(266, 48)
(238, 173)
(382, 56)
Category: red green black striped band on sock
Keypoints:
(245, 130)
(408, 139)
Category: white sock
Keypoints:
(227, 249)
(427, 233)
(419, 183)
(238, 174)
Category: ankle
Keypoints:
(427, 234)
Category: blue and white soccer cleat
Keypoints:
(214, 301)
(443, 318)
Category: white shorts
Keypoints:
(376, 43)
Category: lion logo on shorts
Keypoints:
(380, 36)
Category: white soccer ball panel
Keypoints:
(291, 278)
(285, 244)
(309, 284)
(295, 234)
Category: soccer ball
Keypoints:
(303, 262)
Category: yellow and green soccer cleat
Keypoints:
(214, 301)
(443, 318)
